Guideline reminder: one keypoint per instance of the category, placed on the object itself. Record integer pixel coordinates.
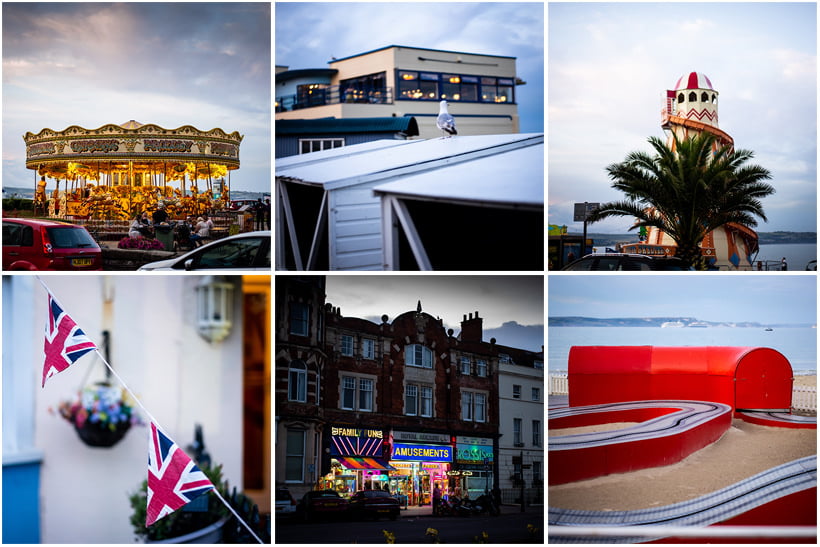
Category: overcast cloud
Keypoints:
(308, 35)
(172, 64)
(611, 64)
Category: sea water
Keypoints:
(798, 345)
(798, 255)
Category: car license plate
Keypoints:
(81, 262)
(332, 504)
(384, 510)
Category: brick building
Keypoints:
(404, 403)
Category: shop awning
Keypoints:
(360, 462)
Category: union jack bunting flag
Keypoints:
(173, 478)
(65, 342)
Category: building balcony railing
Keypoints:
(334, 95)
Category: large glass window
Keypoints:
(517, 440)
(295, 456)
(416, 85)
(416, 355)
(297, 382)
(364, 89)
(298, 319)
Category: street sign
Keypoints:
(583, 210)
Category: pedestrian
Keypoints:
(783, 266)
(267, 212)
(160, 215)
(259, 209)
(436, 500)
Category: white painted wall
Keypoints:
(181, 378)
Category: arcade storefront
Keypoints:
(473, 465)
(356, 460)
(420, 461)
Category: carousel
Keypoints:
(118, 171)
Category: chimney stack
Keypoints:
(472, 328)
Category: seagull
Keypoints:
(445, 121)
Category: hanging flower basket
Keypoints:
(100, 414)
(102, 435)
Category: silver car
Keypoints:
(242, 252)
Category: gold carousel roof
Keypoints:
(111, 146)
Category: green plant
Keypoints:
(179, 522)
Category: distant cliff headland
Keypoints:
(669, 322)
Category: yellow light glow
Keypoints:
(457, 97)
(407, 77)
(455, 80)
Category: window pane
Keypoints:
(295, 455)
(536, 432)
(480, 407)
(299, 319)
(426, 401)
(481, 367)
(467, 406)
(365, 394)
(517, 431)
(427, 358)
(469, 92)
(368, 349)
(465, 365)
(348, 392)
(347, 345)
(410, 400)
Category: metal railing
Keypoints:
(803, 397)
(334, 94)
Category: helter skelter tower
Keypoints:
(691, 108)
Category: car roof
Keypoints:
(40, 222)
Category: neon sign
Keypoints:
(422, 452)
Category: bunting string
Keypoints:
(76, 344)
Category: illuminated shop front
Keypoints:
(420, 461)
(474, 465)
(356, 460)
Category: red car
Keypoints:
(30, 244)
(321, 503)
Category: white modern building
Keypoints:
(522, 429)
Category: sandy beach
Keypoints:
(744, 450)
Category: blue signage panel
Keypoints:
(422, 452)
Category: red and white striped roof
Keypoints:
(694, 80)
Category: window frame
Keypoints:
(518, 439)
(301, 381)
(516, 391)
(301, 455)
(481, 368)
(536, 394)
(346, 345)
(536, 432)
(415, 408)
(467, 402)
(352, 386)
(335, 142)
(484, 89)
(425, 352)
(295, 320)
(368, 349)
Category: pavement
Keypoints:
(427, 510)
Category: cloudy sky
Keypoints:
(761, 298)
(308, 35)
(499, 300)
(172, 64)
(611, 64)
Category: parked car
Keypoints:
(248, 251)
(285, 504)
(321, 503)
(610, 262)
(30, 244)
(374, 503)
(237, 204)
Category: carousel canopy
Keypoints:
(132, 147)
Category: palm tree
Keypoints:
(688, 190)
